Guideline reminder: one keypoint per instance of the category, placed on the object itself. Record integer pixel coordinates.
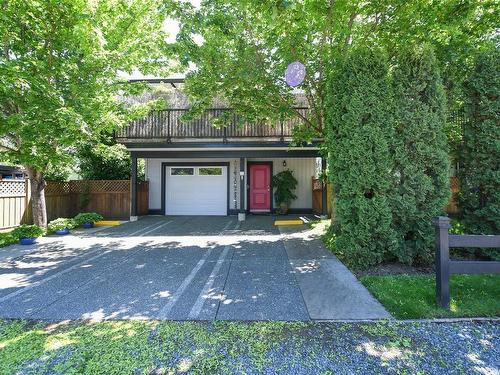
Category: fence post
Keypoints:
(442, 225)
(27, 215)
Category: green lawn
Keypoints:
(414, 297)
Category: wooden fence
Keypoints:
(445, 266)
(110, 198)
(13, 203)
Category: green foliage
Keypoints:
(60, 79)
(61, 223)
(103, 162)
(360, 134)
(126, 347)
(60, 64)
(6, 239)
(27, 231)
(87, 217)
(419, 152)
(414, 297)
(285, 184)
(248, 44)
(479, 199)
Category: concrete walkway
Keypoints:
(184, 268)
(329, 289)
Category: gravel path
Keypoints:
(167, 347)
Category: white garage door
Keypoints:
(196, 190)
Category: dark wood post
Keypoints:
(442, 225)
(324, 191)
(133, 189)
(241, 212)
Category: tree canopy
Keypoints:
(239, 49)
(60, 65)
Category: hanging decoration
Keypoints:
(295, 73)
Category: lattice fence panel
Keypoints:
(57, 188)
(12, 188)
(99, 186)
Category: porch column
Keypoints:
(243, 182)
(324, 192)
(133, 189)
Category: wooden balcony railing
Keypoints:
(168, 125)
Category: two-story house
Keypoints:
(194, 168)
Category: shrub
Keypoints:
(421, 162)
(479, 198)
(87, 217)
(6, 239)
(285, 184)
(106, 162)
(359, 135)
(27, 231)
(61, 223)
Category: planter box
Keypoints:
(62, 232)
(88, 225)
(27, 241)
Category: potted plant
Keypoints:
(27, 234)
(87, 219)
(61, 226)
(285, 184)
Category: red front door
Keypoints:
(260, 187)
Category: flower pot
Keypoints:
(283, 208)
(27, 241)
(87, 225)
(62, 232)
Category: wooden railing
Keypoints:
(445, 266)
(168, 125)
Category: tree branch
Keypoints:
(349, 27)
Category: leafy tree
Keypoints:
(246, 48)
(421, 161)
(106, 162)
(240, 48)
(60, 62)
(360, 133)
(480, 175)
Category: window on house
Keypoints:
(210, 171)
(189, 171)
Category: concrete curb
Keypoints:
(437, 320)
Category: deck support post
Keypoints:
(133, 189)
(241, 212)
(324, 192)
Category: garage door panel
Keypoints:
(195, 194)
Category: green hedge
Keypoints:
(388, 157)
(479, 199)
(359, 137)
(420, 153)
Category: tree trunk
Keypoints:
(38, 206)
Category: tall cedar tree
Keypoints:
(480, 173)
(359, 137)
(421, 163)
